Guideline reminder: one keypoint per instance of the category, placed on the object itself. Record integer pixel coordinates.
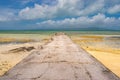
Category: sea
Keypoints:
(6, 36)
(54, 31)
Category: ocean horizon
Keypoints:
(103, 32)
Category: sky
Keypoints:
(60, 14)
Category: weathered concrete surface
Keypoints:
(60, 59)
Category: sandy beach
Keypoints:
(105, 48)
(8, 58)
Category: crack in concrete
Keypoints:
(41, 74)
(88, 73)
(75, 74)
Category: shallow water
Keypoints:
(105, 48)
(21, 38)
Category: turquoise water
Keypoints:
(68, 32)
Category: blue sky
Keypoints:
(59, 14)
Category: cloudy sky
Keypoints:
(59, 14)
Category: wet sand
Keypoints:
(106, 48)
(8, 59)
(110, 60)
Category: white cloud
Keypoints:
(63, 8)
(7, 15)
(99, 21)
(38, 11)
(95, 7)
(114, 9)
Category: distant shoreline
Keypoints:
(54, 31)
